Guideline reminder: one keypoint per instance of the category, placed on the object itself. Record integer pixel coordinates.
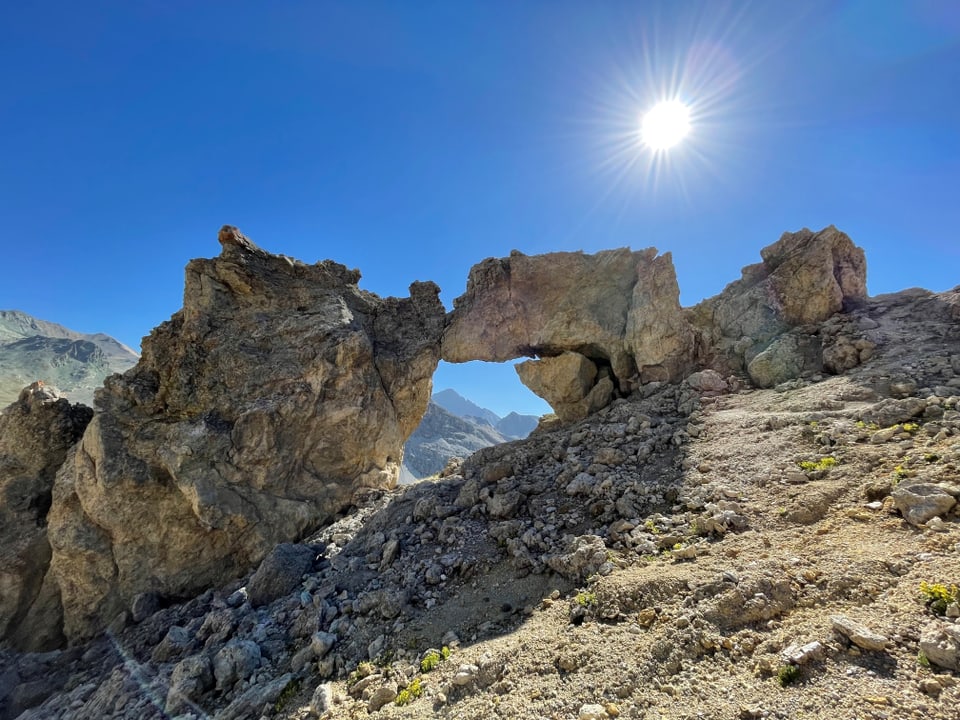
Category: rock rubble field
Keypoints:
(732, 535)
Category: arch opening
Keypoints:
(473, 405)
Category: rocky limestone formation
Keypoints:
(601, 325)
(36, 433)
(805, 277)
(618, 309)
(254, 415)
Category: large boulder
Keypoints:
(805, 277)
(569, 383)
(36, 434)
(619, 309)
(254, 415)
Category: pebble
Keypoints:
(931, 687)
(592, 711)
(466, 674)
(802, 654)
(859, 634)
(381, 696)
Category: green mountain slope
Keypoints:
(76, 363)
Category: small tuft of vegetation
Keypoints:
(287, 694)
(823, 463)
(586, 598)
(410, 693)
(938, 596)
(788, 674)
(931, 457)
(430, 661)
(433, 658)
(910, 427)
(922, 660)
(386, 658)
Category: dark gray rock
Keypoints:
(279, 573)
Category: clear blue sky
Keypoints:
(413, 139)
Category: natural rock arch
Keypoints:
(281, 389)
(601, 324)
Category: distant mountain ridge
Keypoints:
(76, 363)
(442, 435)
(516, 425)
(454, 426)
(513, 427)
(453, 402)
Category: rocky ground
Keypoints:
(701, 550)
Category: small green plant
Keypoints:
(823, 463)
(385, 658)
(781, 511)
(287, 694)
(410, 693)
(931, 457)
(430, 661)
(650, 527)
(586, 598)
(938, 596)
(900, 473)
(922, 660)
(433, 658)
(788, 674)
(910, 427)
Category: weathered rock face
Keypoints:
(253, 416)
(805, 277)
(615, 317)
(617, 309)
(36, 433)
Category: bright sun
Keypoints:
(665, 125)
